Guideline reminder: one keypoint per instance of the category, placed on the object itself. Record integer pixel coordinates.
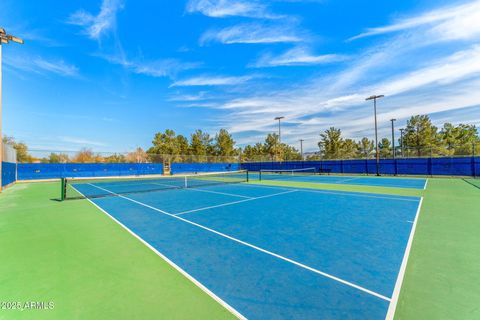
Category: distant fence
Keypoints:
(9, 175)
(8, 165)
(447, 166)
(36, 171)
(178, 168)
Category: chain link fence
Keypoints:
(9, 153)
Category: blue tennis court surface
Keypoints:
(274, 252)
(411, 183)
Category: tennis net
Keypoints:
(98, 187)
(283, 174)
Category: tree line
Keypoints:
(420, 139)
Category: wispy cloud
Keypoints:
(212, 81)
(158, 68)
(253, 33)
(415, 68)
(202, 95)
(229, 8)
(95, 26)
(59, 67)
(82, 141)
(452, 22)
(299, 56)
(41, 65)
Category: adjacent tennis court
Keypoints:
(312, 176)
(270, 252)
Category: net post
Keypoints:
(260, 175)
(64, 189)
(248, 177)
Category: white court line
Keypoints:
(345, 180)
(235, 202)
(347, 283)
(170, 262)
(403, 267)
(425, 186)
(223, 193)
(210, 191)
(345, 193)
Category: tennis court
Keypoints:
(271, 252)
(310, 175)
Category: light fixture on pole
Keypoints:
(301, 147)
(4, 39)
(279, 128)
(374, 98)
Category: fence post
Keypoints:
(430, 171)
(474, 165)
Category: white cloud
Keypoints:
(41, 65)
(97, 26)
(59, 67)
(299, 56)
(82, 141)
(448, 23)
(252, 33)
(158, 68)
(417, 71)
(228, 8)
(212, 81)
(202, 95)
(460, 65)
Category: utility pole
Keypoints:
(301, 148)
(401, 142)
(374, 98)
(393, 137)
(4, 39)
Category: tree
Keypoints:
(87, 156)
(56, 158)
(290, 153)
(164, 143)
(422, 136)
(459, 140)
(115, 158)
(331, 143)
(224, 144)
(348, 149)
(365, 147)
(201, 144)
(182, 144)
(385, 148)
(137, 156)
(253, 153)
(272, 147)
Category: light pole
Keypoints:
(279, 129)
(374, 98)
(393, 137)
(401, 142)
(4, 39)
(301, 147)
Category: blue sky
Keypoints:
(109, 74)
